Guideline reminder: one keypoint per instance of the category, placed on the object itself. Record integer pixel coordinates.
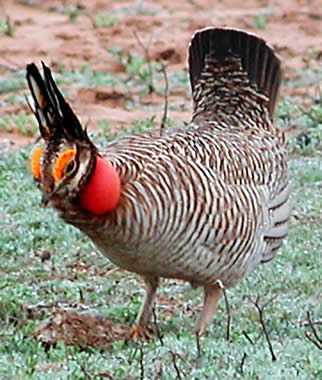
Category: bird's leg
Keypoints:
(144, 315)
(212, 295)
(140, 329)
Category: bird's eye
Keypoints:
(70, 166)
(64, 164)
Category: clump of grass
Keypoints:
(86, 77)
(140, 69)
(308, 122)
(314, 115)
(6, 26)
(136, 127)
(72, 11)
(143, 125)
(137, 66)
(261, 20)
(21, 122)
(106, 20)
(305, 78)
(12, 82)
(105, 131)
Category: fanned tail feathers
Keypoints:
(229, 67)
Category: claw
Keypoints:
(137, 333)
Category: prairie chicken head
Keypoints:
(69, 169)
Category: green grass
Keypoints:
(261, 20)
(106, 20)
(72, 11)
(13, 81)
(309, 121)
(21, 122)
(85, 77)
(6, 26)
(292, 282)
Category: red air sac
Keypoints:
(102, 193)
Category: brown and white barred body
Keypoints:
(209, 201)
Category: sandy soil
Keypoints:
(41, 31)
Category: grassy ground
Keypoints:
(44, 261)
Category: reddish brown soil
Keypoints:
(41, 32)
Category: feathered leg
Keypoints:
(212, 295)
(140, 328)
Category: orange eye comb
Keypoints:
(61, 162)
(35, 162)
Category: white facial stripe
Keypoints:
(37, 92)
(81, 171)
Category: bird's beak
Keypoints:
(46, 199)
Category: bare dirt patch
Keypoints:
(79, 328)
(83, 33)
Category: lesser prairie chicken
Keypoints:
(205, 203)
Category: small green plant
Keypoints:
(143, 125)
(72, 11)
(106, 20)
(86, 77)
(286, 111)
(136, 126)
(260, 21)
(142, 11)
(118, 52)
(12, 82)
(308, 122)
(105, 129)
(6, 26)
(20, 122)
(137, 66)
(314, 115)
(140, 67)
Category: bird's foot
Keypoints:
(139, 333)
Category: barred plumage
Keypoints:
(204, 203)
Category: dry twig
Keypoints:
(242, 363)
(141, 364)
(260, 310)
(317, 341)
(175, 365)
(85, 372)
(148, 60)
(199, 350)
(318, 95)
(157, 327)
(248, 337)
(81, 365)
(228, 314)
(166, 94)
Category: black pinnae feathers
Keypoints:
(54, 115)
(72, 126)
(36, 85)
(40, 97)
